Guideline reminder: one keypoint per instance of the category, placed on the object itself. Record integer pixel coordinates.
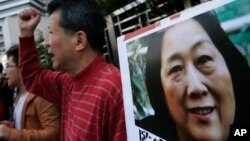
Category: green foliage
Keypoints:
(241, 36)
(44, 56)
(137, 67)
(232, 10)
(241, 40)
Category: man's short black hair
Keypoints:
(81, 15)
(13, 51)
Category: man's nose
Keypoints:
(46, 42)
(196, 86)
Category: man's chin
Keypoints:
(55, 66)
(11, 85)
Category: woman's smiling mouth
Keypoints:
(202, 110)
(202, 114)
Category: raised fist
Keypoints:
(28, 20)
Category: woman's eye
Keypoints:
(203, 59)
(176, 69)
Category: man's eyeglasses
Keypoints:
(10, 66)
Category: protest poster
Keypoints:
(187, 77)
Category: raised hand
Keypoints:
(28, 20)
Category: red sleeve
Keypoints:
(117, 127)
(44, 83)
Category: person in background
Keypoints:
(88, 89)
(35, 119)
(6, 97)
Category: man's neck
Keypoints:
(22, 89)
(21, 92)
(83, 62)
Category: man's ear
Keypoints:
(81, 38)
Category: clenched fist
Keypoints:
(5, 127)
(28, 20)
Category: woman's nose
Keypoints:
(196, 86)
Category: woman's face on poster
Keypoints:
(197, 83)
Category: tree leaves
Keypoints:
(44, 56)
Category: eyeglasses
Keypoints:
(10, 66)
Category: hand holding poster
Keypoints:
(191, 82)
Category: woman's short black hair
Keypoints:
(236, 63)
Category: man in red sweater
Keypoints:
(87, 88)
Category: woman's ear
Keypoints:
(81, 40)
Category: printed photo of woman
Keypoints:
(197, 82)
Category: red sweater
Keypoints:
(91, 101)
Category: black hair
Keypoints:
(236, 63)
(1, 67)
(163, 122)
(81, 15)
(13, 51)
